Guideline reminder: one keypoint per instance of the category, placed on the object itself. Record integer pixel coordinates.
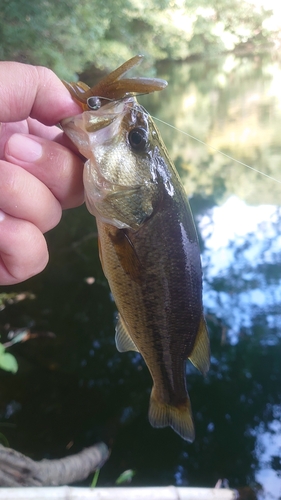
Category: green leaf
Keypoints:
(125, 477)
(8, 362)
(95, 478)
(3, 440)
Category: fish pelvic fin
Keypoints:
(179, 418)
(200, 356)
(123, 339)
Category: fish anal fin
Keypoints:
(200, 356)
(122, 338)
(179, 417)
(127, 254)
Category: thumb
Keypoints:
(34, 91)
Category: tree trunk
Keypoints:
(18, 470)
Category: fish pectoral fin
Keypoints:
(127, 254)
(200, 356)
(100, 255)
(123, 339)
(179, 418)
(132, 205)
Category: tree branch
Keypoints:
(18, 470)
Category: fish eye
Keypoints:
(138, 139)
(94, 103)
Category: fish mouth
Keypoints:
(98, 122)
(88, 129)
(92, 128)
(91, 122)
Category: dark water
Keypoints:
(76, 389)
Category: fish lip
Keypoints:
(67, 121)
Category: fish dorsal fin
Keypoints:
(122, 338)
(200, 356)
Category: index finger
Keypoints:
(34, 91)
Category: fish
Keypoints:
(148, 244)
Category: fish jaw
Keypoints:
(89, 132)
(82, 128)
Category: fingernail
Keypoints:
(21, 147)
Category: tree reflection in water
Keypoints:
(76, 389)
(243, 289)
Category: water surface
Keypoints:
(76, 389)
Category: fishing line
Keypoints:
(217, 150)
(97, 105)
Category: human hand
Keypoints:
(39, 174)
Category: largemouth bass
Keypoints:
(147, 238)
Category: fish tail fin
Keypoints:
(179, 418)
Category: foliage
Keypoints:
(6, 298)
(3, 440)
(228, 105)
(66, 35)
(125, 477)
(9, 298)
(95, 478)
(7, 361)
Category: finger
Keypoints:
(56, 166)
(25, 197)
(53, 133)
(33, 91)
(34, 127)
(40, 130)
(8, 129)
(23, 250)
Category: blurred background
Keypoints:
(72, 388)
